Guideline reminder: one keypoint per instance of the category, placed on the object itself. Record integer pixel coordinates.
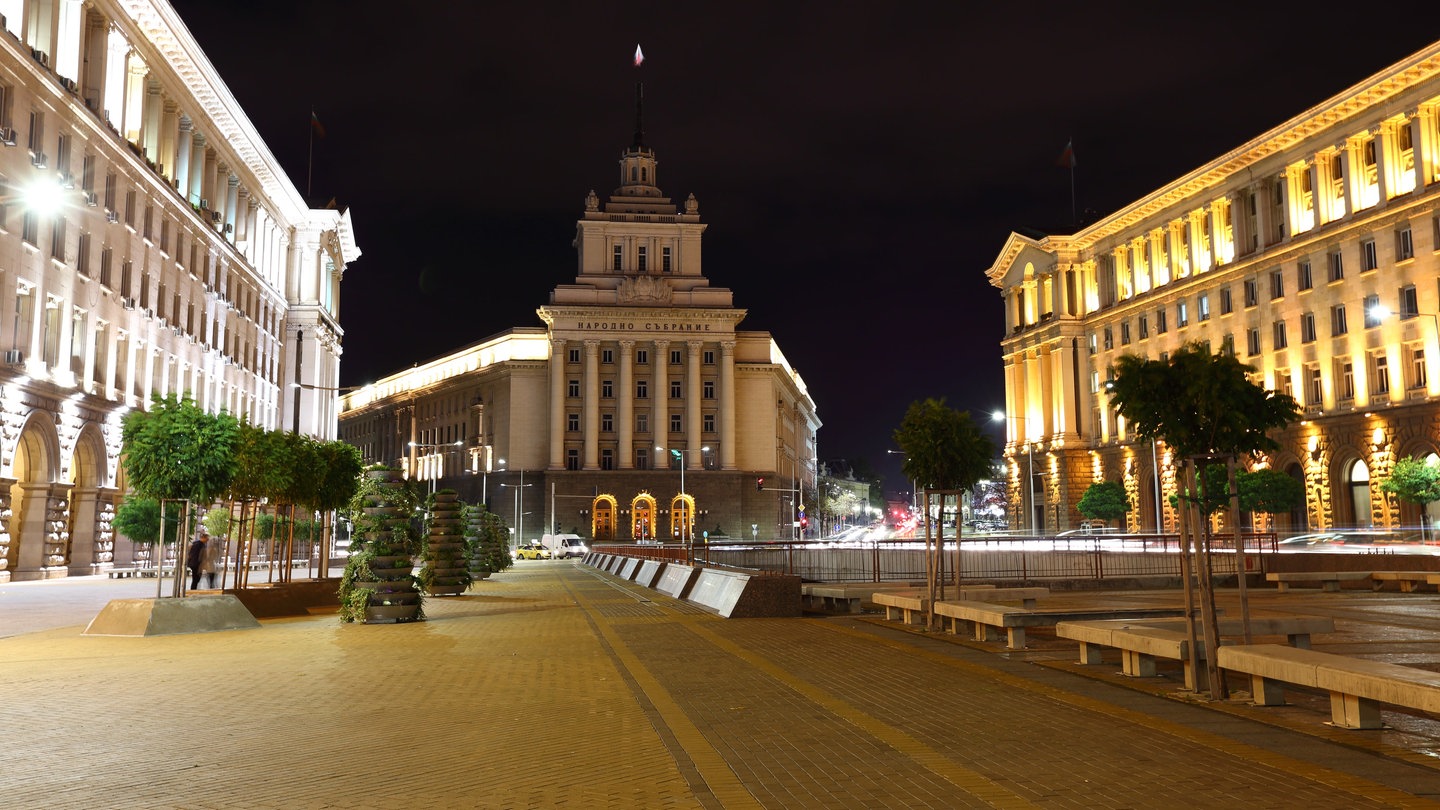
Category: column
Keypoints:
(1380, 140)
(590, 414)
(183, 143)
(727, 404)
(1048, 391)
(1422, 141)
(661, 395)
(197, 169)
(625, 399)
(1065, 369)
(694, 459)
(557, 405)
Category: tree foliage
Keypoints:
(943, 448)
(177, 451)
(1414, 480)
(138, 518)
(1199, 403)
(1104, 500)
(1269, 491)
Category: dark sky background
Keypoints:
(859, 164)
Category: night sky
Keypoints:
(859, 165)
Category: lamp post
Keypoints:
(914, 484)
(686, 529)
(441, 449)
(519, 515)
(334, 389)
(1001, 416)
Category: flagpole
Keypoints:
(1074, 220)
(310, 158)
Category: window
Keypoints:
(642, 458)
(1227, 345)
(1279, 335)
(1409, 302)
(1372, 315)
(82, 258)
(30, 228)
(617, 256)
(665, 264)
(607, 459)
(675, 356)
(1252, 341)
(1379, 373)
(1182, 315)
(1345, 380)
(1202, 307)
(1252, 292)
(1417, 366)
(1303, 280)
(1161, 327)
(1337, 266)
(1307, 327)
(707, 423)
(572, 422)
(110, 186)
(707, 389)
(640, 256)
(573, 389)
(1227, 304)
(1314, 386)
(642, 357)
(642, 389)
(1338, 326)
(676, 390)
(574, 356)
(1277, 284)
(1144, 325)
(1368, 258)
(607, 355)
(607, 423)
(676, 425)
(708, 357)
(607, 389)
(572, 459)
(1404, 245)
(106, 264)
(1124, 333)
(1094, 345)
(57, 238)
(642, 422)
(130, 208)
(1109, 339)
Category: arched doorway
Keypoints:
(642, 518)
(682, 518)
(602, 519)
(91, 550)
(35, 552)
(1297, 521)
(1357, 486)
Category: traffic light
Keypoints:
(759, 484)
(804, 522)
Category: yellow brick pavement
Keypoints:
(555, 686)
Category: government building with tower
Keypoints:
(150, 244)
(1309, 252)
(639, 412)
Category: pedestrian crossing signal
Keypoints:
(759, 484)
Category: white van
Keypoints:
(564, 546)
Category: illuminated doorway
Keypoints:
(642, 518)
(1357, 483)
(34, 552)
(602, 519)
(682, 518)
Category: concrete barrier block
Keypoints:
(171, 616)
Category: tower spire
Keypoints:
(639, 116)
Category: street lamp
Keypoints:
(519, 516)
(686, 526)
(914, 483)
(1001, 416)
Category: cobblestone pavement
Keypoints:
(556, 686)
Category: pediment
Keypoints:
(1021, 257)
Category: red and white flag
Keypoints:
(639, 56)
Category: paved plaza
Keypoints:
(553, 686)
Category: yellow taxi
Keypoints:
(532, 551)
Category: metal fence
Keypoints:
(1009, 558)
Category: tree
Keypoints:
(1104, 501)
(1269, 491)
(176, 451)
(945, 453)
(1220, 414)
(138, 518)
(1414, 480)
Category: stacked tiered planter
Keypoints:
(446, 571)
(474, 525)
(379, 585)
(489, 549)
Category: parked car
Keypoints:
(532, 551)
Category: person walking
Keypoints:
(195, 557)
(210, 561)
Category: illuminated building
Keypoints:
(149, 244)
(639, 369)
(1283, 251)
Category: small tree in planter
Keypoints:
(139, 519)
(1104, 500)
(343, 467)
(378, 584)
(488, 540)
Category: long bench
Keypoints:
(1357, 686)
(910, 607)
(987, 619)
(1329, 580)
(1142, 641)
(1409, 581)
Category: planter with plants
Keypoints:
(489, 542)
(379, 585)
(446, 570)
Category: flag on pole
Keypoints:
(639, 56)
(316, 126)
(1067, 157)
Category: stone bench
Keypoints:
(910, 606)
(1329, 580)
(1142, 641)
(988, 619)
(122, 573)
(1408, 581)
(1357, 686)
